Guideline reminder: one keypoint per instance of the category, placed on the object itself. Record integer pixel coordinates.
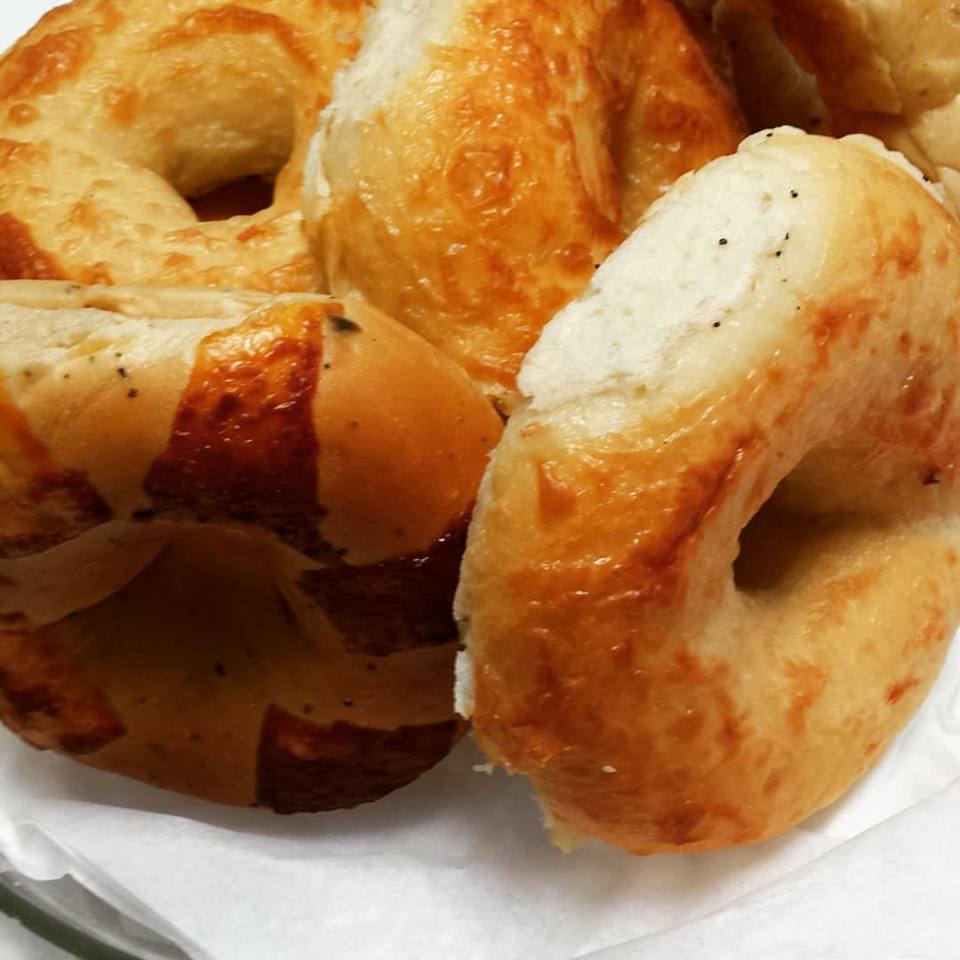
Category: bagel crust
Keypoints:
(241, 590)
(884, 67)
(472, 221)
(111, 114)
(675, 668)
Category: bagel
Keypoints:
(772, 88)
(241, 589)
(883, 67)
(479, 159)
(713, 566)
(112, 114)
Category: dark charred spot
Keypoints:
(227, 406)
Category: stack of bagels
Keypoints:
(582, 371)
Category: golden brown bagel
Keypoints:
(230, 531)
(112, 113)
(480, 159)
(886, 67)
(781, 332)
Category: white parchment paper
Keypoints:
(458, 866)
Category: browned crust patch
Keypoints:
(49, 701)
(397, 605)
(303, 767)
(556, 497)
(43, 505)
(688, 821)
(807, 683)
(20, 257)
(243, 448)
(39, 68)
(898, 690)
(66, 504)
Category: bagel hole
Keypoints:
(845, 491)
(779, 544)
(239, 198)
(764, 560)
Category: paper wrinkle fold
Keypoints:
(459, 862)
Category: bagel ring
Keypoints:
(243, 589)
(568, 119)
(111, 114)
(882, 67)
(782, 330)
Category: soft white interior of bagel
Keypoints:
(397, 38)
(398, 35)
(153, 302)
(648, 306)
(463, 691)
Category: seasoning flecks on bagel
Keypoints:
(172, 613)
(714, 564)
(479, 160)
(113, 114)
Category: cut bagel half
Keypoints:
(714, 566)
